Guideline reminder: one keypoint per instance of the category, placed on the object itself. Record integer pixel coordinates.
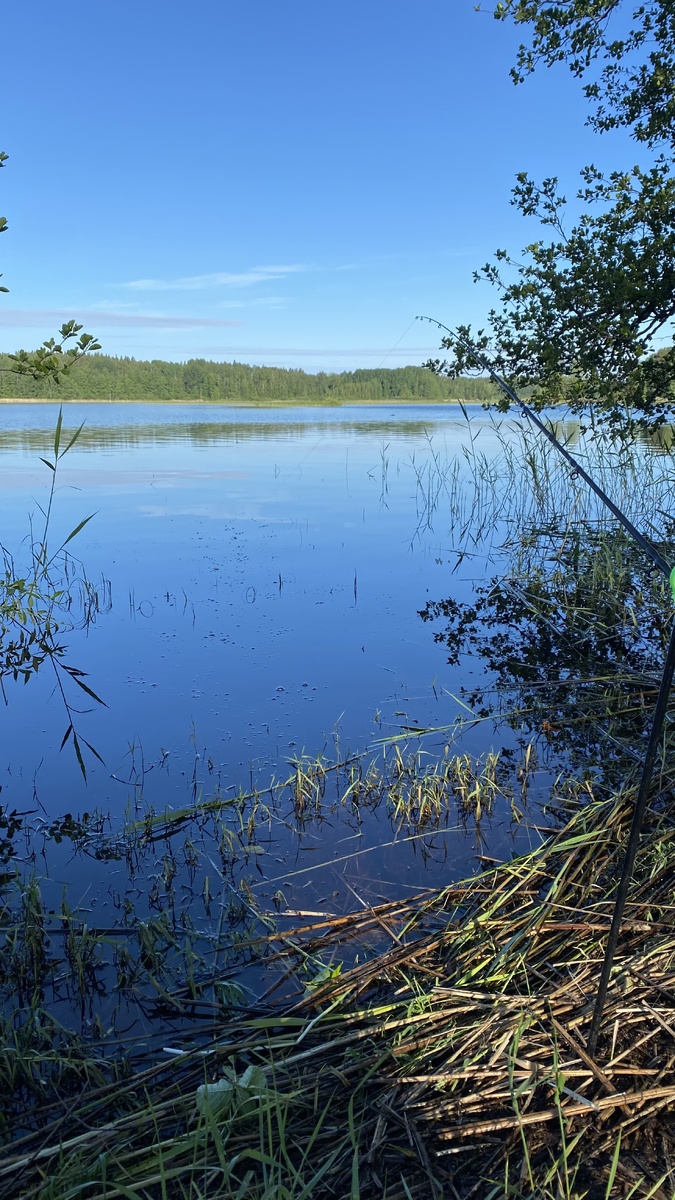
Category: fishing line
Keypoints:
(658, 720)
(405, 331)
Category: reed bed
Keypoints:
(430, 1047)
(483, 495)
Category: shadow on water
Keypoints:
(571, 644)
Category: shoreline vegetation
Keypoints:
(404, 401)
(432, 1046)
(100, 378)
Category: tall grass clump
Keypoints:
(44, 594)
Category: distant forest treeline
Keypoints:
(102, 377)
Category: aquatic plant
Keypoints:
(44, 595)
(440, 1051)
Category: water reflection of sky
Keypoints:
(266, 580)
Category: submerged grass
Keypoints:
(445, 1058)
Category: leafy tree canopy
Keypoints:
(583, 310)
(102, 377)
(54, 358)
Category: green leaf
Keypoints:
(613, 1168)
(78, 528)
(88, 690)
(57, 432)
(74, 438)
(94, 751)
(48, 464)
(78, 754)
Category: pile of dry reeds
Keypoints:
(448, 1060)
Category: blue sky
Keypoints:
(282, 184)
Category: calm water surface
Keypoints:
(267, 570)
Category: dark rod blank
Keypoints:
(657, 559)
(633, 839)
(659, 717)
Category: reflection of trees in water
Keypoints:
(572, 641)
(661, 440)
(211, 433)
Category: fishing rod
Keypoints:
(658, 720)
(657, 559)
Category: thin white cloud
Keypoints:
(255, 302)
(305, 352)
(37, 318)
(195, 283)
(114, 305)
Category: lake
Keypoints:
(262, 576)
(321, 665)
(266, 570)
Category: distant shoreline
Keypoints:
(401, 402)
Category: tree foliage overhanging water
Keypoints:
(585, 312)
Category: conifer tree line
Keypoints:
(102, 377)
